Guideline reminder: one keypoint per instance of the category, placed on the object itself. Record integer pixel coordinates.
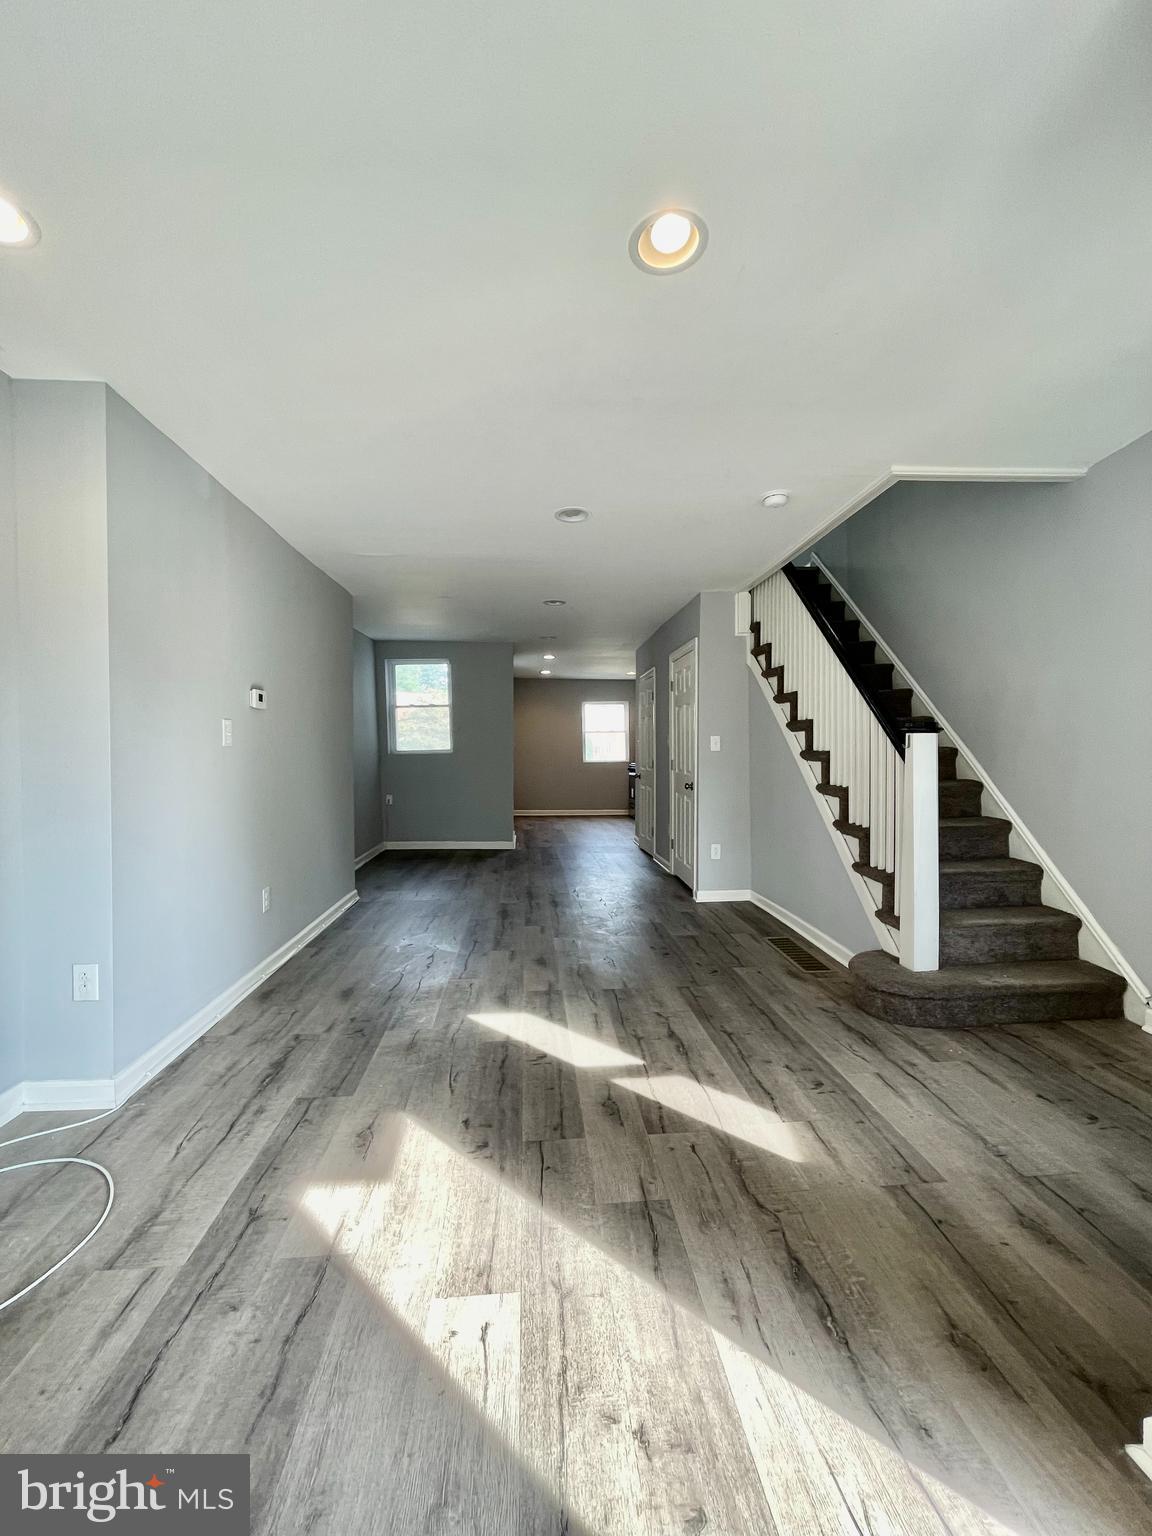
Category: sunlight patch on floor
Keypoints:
(724, 1112)
(629, 1406)
(556, 1040)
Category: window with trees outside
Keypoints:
(420, 706)
(605, 732)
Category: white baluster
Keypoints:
(919, 873)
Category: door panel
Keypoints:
(682, 734)
(646, 761)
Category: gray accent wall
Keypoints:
(367, 800)
(464, 795)
(550, 771)
(205, 602)
(794, 862)
(139, 601)
(65, 741)
(1024, 612)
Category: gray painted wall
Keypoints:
(11, 855)
(550, 771)
(206, 600)
(794, 862)
(1024, 612)
(722, 710)
(464, 795)
(62, 577)
(369, 811)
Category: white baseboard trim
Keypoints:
(111, 1092)
(372, 853)
(572, 813)
(662, 863)
(448, 846)
(723, 895)
(1142, 1454)
(806, 930)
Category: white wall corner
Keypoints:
(743, 607)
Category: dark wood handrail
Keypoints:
(895, 730)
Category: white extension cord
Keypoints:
(46, 1162)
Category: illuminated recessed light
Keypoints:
(549, 655)
(774, 499)
(555, 602)
(16, 227)
(545, 672)
(571, 515)
(668, 241)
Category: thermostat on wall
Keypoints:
(257, 698)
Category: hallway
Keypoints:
(533, 1197)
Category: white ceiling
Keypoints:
(367, 263)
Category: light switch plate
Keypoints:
(225, 733)
(714, 743)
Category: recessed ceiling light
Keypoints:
(549, 655)
(774, 499)
(16, 227)
(544, 672)
(555, 602)
(668, 241)
(571, 515)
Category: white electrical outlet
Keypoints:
(265, 898)
(85, 983)
(714, 743)
(715, 850)
(225, 733)
(387, 799)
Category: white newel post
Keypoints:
(919, 872)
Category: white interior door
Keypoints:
(646, 761)
(682, 736)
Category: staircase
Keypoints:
(1004, 957)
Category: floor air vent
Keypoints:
(800, 957)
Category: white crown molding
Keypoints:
(1007, 475)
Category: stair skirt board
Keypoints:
(1093, 944)
(111, 1092)
(572, 813)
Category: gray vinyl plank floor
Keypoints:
(534, 1198)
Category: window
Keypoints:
(605, 732)
(420, 706)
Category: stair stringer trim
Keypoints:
(1055, 890)
(885, 938)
